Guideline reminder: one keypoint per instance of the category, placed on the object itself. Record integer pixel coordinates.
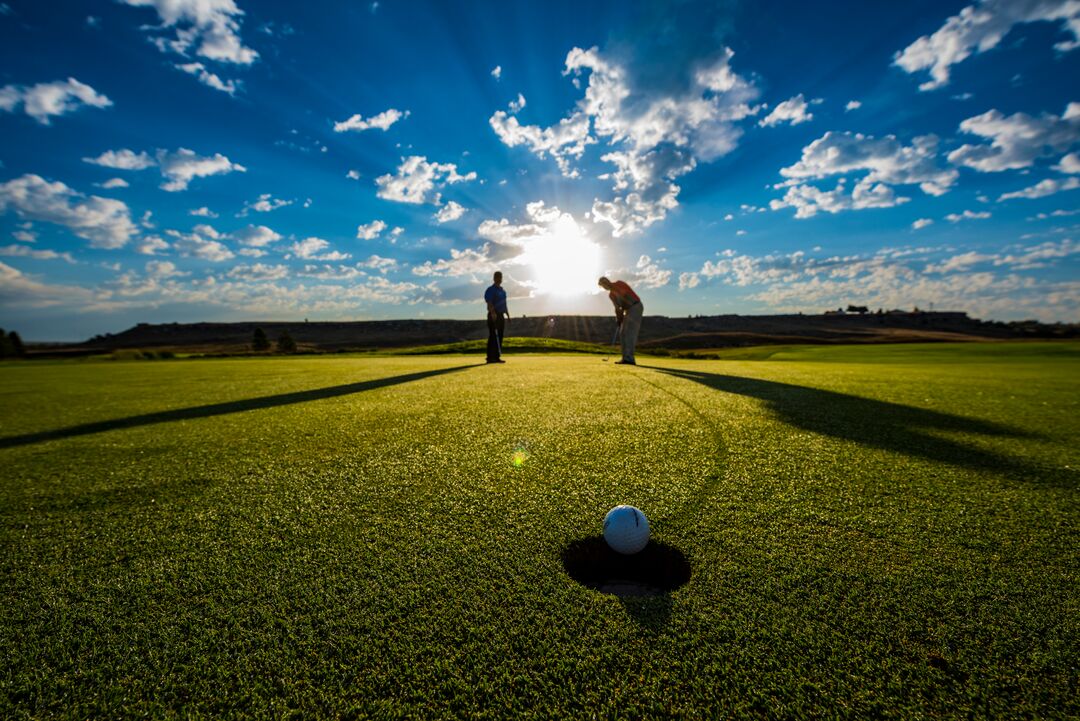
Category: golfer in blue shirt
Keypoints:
(497, 315)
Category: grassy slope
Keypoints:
(878, 537)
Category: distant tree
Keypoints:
(4, 350)
(285, 343)
(259, 341)
(15, 343)
(858, 309)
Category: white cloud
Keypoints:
(259, 272)
(382, 121)
(794, 111)
(371, 230)
(886, 162)
(649, 274)
(264, 204)
(209, 79)
(256, 236)
(203, 243)
(163, 269)
(105, 222)
(978, 28)
(353, 175)
(797, 282)
(451, 211)
(203, 212)
(460, 262)
(1050, 186)
(852, 105)
(15, 287)
(1016, 140)
(417, 180)
(122, 160)
(210, 27)
(28, 252)
(808, 200)
(654, 136)
(921, 223)
(112, 183)
(25, 235)
(311, 249)
(48, 100)
(516, 106)
(379, 263)
(181, 167)
(496, 72)
(967, 215)
(150, 245)
(1069, 164)
(689, 280)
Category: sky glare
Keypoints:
(221, 160)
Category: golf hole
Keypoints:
(654, 571)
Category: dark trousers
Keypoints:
(496, 326)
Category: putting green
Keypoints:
(870, 532)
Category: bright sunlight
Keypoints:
(563, 260)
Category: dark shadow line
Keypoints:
(217, 409)
(875, 424)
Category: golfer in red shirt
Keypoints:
(628, 312)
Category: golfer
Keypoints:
(628, 312)
(497, 314)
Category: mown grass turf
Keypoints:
(348, 536)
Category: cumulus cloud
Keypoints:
(886, 162)
(209, 27)
(183, 166)
(888, 278)
(112, 183)
(793, 111)
(382, 121)
(852, 105)
(48, 100)
(259, 272)
(978, 28)
(689, 280)
(451, 211)
(209, 79)
(204, 243)
(105, 222)
(417, 181)
(15, 287)
(1069, 164)
(256, 236)
(967, 215)
(150, 245)
(378, 263)
(122, 160)
(1016, 140)
(371, 230)
(1050, 186)
(264, 204)
(203, 212)
(653, 135)
(649, 274)
(921, 223)
(496, 72)
(312, 249)
(25, 251)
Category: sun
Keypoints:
(564, 261)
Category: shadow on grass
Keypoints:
(217, 409)
(643, 582)
(879, 424)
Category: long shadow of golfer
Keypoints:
(878, 424)
(217, 409)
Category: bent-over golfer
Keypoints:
(497, 314)
(628, 312)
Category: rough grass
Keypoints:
(881, 532)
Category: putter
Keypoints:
(614, 337)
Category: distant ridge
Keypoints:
(719, 331)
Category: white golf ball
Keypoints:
(626, 529)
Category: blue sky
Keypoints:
(214, 160)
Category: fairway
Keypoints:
(871, 532)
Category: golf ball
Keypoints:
(626, 529)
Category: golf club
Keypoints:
(614, 337)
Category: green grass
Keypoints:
(883, 532)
